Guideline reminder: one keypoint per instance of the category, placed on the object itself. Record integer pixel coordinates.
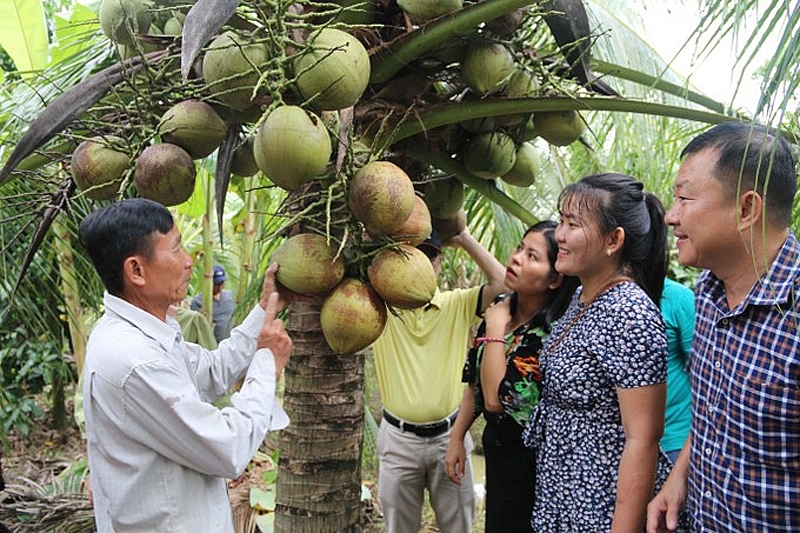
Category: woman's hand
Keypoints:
(497, 316)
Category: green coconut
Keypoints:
(173, 26)
(444, 197)
(352, 316)
(490, 155)
(505, 25)
(292, 147)
(244, 160)
(333, 70)
(351, 12)
(522, 84)
(487, 67)
(525, 168)
(194, 126)
(449, 227)
(403, 277)
(232, 68)
(308, 264)
(417, 226)
(165, 173)
(381, 197)
(122, 20)
(421, 11)
(97, 167)
(559, 128)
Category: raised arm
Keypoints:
(493, 269)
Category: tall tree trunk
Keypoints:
(75, 318)
(319, 471)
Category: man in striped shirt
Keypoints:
(740, 467)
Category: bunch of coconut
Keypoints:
(381, 197)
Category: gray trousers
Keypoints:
(408, 465)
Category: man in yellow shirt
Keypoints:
(419, 358)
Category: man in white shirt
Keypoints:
(159, 451)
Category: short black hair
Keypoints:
(752, 158)
(113, 233)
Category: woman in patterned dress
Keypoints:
(597, 427)
(502, 370)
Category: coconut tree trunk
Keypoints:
(75, 319)
(319, 471)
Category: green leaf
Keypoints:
(266, 522)
(270, 476)
(71, 34)
(262, 500)
(23, 33)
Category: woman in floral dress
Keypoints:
(596, 429)
(502, 370)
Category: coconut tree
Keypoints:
(447, 98)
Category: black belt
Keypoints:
(432, 429)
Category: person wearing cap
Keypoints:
(419, 358)
(222, 305)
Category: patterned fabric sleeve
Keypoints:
(635, 339)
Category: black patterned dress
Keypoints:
(618, 342)
(510, 467)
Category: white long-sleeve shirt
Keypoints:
(159, 452)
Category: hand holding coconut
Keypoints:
(272, 285)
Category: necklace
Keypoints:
(582, 310)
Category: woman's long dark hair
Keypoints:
(618, 200)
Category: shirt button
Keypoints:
(708, 451)
(708, 494)
(717, 364)
(724, 321)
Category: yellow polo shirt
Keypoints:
(420, 355)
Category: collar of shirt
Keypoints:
(776, 287)
(436, 301)
(165, 333)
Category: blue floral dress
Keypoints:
(618, 342)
